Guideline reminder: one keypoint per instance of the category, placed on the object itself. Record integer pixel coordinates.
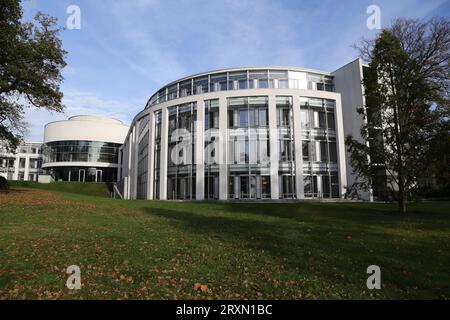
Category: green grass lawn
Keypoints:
(161, 250)
(100, 189)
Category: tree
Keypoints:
(31, 61)
(406, 108)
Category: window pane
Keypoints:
(331, 124)
(304, 119)
(322, 120)
(323, 151)
(243, 118)
(305, 145)
(333, 152)
(263, 117)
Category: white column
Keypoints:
(16, 168)
(164, 151)
(199, 152)
(298, 147)
(273, 141)
(223, 167)
(151, 155)
(130, 161)
(126, 195)
(27, 168)
(340, 147)
(319, 186)
(135, 163)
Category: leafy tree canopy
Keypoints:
(406, 111)
(31, 61)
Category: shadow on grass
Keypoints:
(305, 237)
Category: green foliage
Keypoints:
(3, 183)
(31, 61)
(406, 111)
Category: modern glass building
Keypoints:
(242, 133)
(24, 164)
(83, 148)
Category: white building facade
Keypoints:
(24, 164)
(83, 148)
(243, 133)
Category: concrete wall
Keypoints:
(348, 82)
(88, 128)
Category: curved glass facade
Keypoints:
(80, 151)
(243, 79)
(267, 143)
(83, 174)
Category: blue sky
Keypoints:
(127, 49)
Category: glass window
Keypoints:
(243, 118)
(201, 85)
(243, 151)
(310, 186)
(243, 84)
(185, 88)
(283, 84)
(333, 152)
(285, 150)
(330, 120)
(22, 162)
(305, 148)
(238, 80)
(287, 186)
(162, 96)
(323, 151)
(231, 119)
(326, 188)
(218, 82)
(281, 78)
(322, 120)
(181, 157)
(211, 114)
(265, 186)
(173, 92)
(252, 117)
(334, 186)
(304, 119)
(262, 117)
(261, 78)
(83, 151)
(263, 83)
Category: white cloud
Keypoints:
(81, 103)
(173, 39)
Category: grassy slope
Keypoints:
(142, 249)
(87, 188)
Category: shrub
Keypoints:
(3, 183)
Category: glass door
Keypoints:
(98, 175)
(81, 175)
(244, 187)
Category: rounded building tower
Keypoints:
(242, 133)
(83, 148)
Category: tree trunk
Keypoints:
(399, 143)
(401, 200)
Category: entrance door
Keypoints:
(81, 175)
(244, 184)
(98, 175)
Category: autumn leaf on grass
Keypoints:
(201, 287)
